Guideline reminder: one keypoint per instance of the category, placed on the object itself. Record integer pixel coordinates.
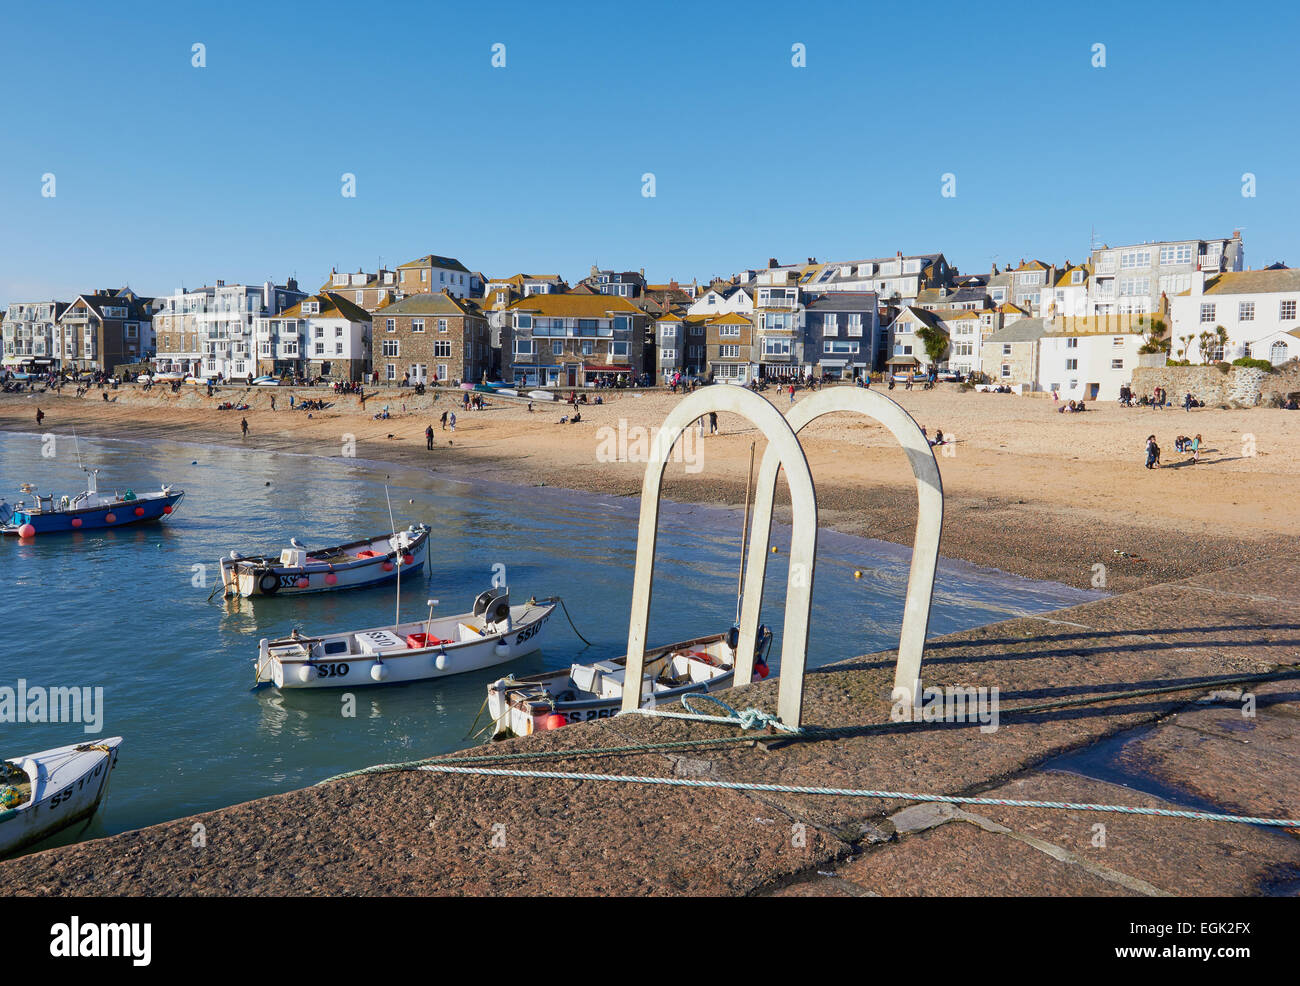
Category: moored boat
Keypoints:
(356, 565)
(88, 510)
(492, 633)
(43, 793)
(550, 699)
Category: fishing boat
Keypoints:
(356, 565)
(44, 793)
(88, 510)
(551, 699)
(492, 633)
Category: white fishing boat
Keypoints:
(43, 793)
(357, 565)
(492, 633)
(551, 699)
(541, 395)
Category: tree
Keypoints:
(1157, 339)
(935, 341)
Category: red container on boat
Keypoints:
(415, 641)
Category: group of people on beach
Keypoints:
(1181, 444)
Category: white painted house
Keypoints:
(1090, 359)
(1258, 308)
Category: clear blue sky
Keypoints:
(169, 174)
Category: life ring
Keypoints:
(269, 583)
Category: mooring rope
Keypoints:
(861, 793)
(560, 599)
(751, 718)
(812, 734)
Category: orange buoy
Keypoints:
(554, 720)
(110, 518)
(26, 531)
(303, 583)
(139, 511)
(76, 521)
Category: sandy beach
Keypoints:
(1028, 490)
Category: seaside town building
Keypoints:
(1068, 295)
(729, 346)
(368, 291)
(1089, 359)
(843, 333)
(1258, 309)
(1132, 279)
(431, 336)
(432, 274)
(907, 349)
(28, 331)
(623, 284)
(721, 299)
(1013, 354)
(571, 340)
(209, 332)
(898, 280)
(323, 336)
(102, 330)
(680, 346)
(778, 324)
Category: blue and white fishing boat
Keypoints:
(44, 793)
(357, 565)
(85, 511)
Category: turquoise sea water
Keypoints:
(128, 610)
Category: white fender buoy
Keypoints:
(379, 672)
(440, 662)
(304, 673)
(502, 650)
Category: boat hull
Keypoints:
(522, 707)
(142, 510)
(69, 786)
(400, 665)
(264, 578)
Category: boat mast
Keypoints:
(397, 558)
(744, 536)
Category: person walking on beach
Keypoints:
(40, 416)
(451, 422)
(444, 420)
(791, 393)
(243, 424)
(428, 437)
(1153, 453)
(273, 402)
(713, 422)
(1196, 449)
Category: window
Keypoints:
(1006, 349)
(390, 371)
(728, 331)
(1117, 364)
(665, 355)
(1170, 255)
(391, 347)
(618, 348)
(830, 325)
(442, 349)
(1134, 285)
(728, 352)
(338, 332)
(1286, 311)
(320, 349)
(523, 347)
(442, 325)
(523, 321)
(1246, 311)
(442, 371)
(1117, 341)
(338, 349)
(557, 348)
(1277, 353)
(1071, 343)
(855, 325)
(417, 325)
(1076, 277)
(390, 324)
(1071, 364)
(1134, 259)
(1172, 284)
(588, 347)
(1006, 369)
(1207, 314)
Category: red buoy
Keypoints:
(167, 509)
(110, 518)
(303, 583)
(408, 560)
(139, 511)
(554, 720)
(76, 521)
(387, 566)
(26, 531)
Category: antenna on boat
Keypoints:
(744, 536)
(397, 557)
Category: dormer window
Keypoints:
(1076, 277)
